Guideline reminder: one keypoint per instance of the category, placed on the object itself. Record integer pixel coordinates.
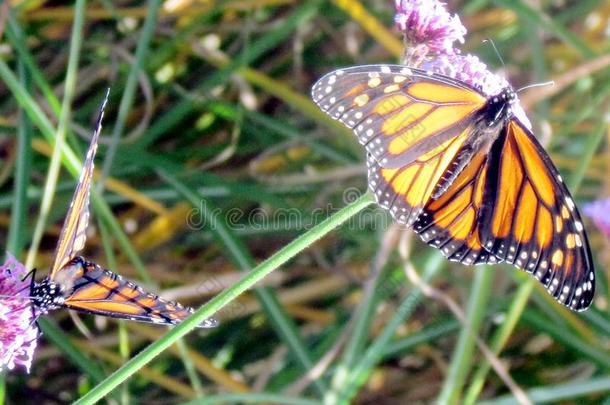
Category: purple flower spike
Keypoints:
(428, 28)
(599, 211)
(18, 332)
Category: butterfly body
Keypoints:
(485, 130)
(45, 296)
(464, 170)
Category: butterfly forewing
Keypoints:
(405, 190)
(411, 124)
(73, 233)
(396, 112)
(76, 284)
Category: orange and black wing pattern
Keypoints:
(450, 222)
(102, 292)
(73, 233)
(412, 124)
(531, 220)
(509, 204)
(464, 172)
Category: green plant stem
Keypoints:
(191, 372)
(252, 398)
(358, 336)
(499, 340)
(148, 29)
(224, 298)
(559, 393)
(18, 41)
(360, 371)
(464, 349)
(241, 257)
(19, 207)
(64, 121)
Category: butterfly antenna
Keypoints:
(102, 108)
(493, 45)
(16, 297)
(529, 86)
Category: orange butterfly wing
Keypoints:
(509, 204)
(451, 222)
(431, 165)
(411, 124)
(102, 292)
(73, 233)
(532, 221)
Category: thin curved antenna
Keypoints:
(17, 297)
(529, 86)
(493, 45)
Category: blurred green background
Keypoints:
(213, 158)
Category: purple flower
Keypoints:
(598, 212)
(468, 69)
(18, 331)
(428, 28)
(430, 32)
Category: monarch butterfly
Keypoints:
(77, 284)
(464, 172)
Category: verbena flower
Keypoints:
(598, 212)
(430, 33)
(468, 69)
(428, 27)
(18, 331)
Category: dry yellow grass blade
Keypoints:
(188, 8)
(202, 363)
(163, 227)
(371, 25)
(162, 380)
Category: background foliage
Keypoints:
(214, 158)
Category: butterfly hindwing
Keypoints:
(102, 292)
(73, 233)
(450, 222)
(532, 221)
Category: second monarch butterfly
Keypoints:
(77, 284)
(464, 172)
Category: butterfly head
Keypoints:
(499, 109)
(46, 295)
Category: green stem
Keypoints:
(148, 30)
(19, 206)
(64, 120)
(464, 349)
(224, 298)
(189, 366)
(499, 340)
(251, 398)
(237, 250)
(374, 354)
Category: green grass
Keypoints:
(223, 186)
